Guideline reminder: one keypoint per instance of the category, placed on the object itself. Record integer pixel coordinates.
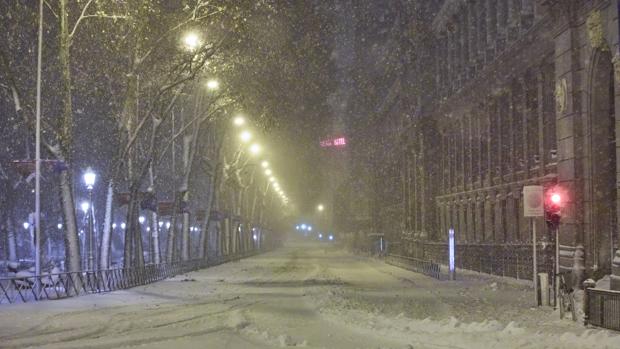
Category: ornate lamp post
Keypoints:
(89, 180)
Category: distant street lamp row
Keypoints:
(246, 136)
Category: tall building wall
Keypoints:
(522, 93)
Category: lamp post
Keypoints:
(89, 180)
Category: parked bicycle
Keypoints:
(566, 298)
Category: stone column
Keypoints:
(510, 219)
(458, 51)
(463, 150)
(514, 20)
(480, 218)
(441, 206)
(471, 219)
(525, 139)
(540, 113)
(465, 43)
(527, 13)
(473, 37)
(512, 116)
(569, 75)
(491, 17)
(490, 133)
(444, 155)
(450, 68)
(499, 218)
(615, 271)
(462, 231)
(481, 28)
(501, 24)
(500, 137)
(489, 217)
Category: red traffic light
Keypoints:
(555, 200)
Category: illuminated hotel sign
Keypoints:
(338, 142)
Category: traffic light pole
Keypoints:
(534, 261)
(557, 267)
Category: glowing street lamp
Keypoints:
(245, 136)
(265, 164)
(123, 225)
(85, 205)
(113, 225)
(268, 172)
(255, 148)
(141, 219)
(89, 178)
(59, 226)
(272, 179)
(320, 207)
(239, 121)
(191, 41)
(213, 84)
(26, 225)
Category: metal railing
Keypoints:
(511, 260)
(427, 268)
(602, 308)
(18, 289)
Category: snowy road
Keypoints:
(306, 295)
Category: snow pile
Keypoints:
(454, 333)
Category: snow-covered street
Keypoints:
(307, 295)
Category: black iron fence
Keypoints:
(428, 268)
(602, 308)
(512, 260)
(19, 289)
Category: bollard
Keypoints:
(544, 288)
(587, 284)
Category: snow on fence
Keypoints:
(20, 289)
(428, 268)
(602, 308)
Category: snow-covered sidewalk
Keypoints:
(307, 295)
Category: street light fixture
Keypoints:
(255, 148)
(213, 84)
(265, 164)
(141, 219)
(268, 172)
(191, 41)
(89, 179)
(85, 206)
(320, 207)
(123, 225)
(239, 121)
(245, 136)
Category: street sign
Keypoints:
(533, 204)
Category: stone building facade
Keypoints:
(515, 92)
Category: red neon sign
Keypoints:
(334, 142)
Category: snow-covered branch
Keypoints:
(84, 16)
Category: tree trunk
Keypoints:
(106, 236)
(170, 251)
(11, 240)
(155, 253)
(72, 249)
(185, 237)
(72, 242)
(204, 231)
